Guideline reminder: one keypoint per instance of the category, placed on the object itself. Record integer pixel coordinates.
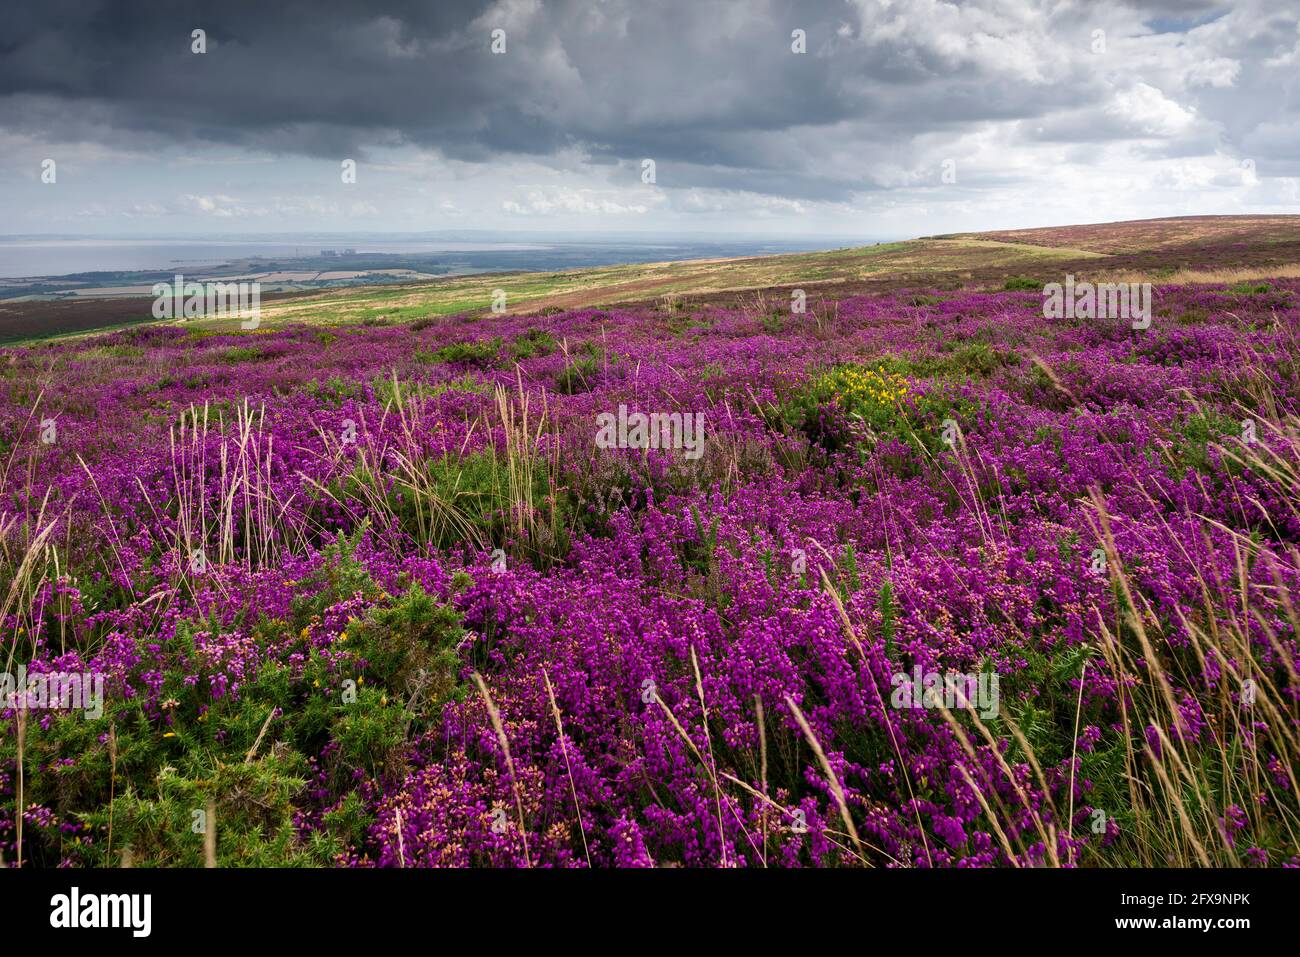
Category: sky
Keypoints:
(835, 118)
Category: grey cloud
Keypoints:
(710, 88)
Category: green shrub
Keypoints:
(582, 372)
(239, 762)
(237, 354)
(847, 402)
(533, 343)
(333, 391)
(480, 355)
(1022, 283)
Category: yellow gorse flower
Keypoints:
(857, 385)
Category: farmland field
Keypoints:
(379, 584)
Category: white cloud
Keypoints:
(1149, 112)
(550, 200)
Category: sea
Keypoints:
(33, 256)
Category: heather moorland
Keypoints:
(395, 592)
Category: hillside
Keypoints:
(1180, 249)
(918, 579)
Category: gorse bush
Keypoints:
(533, 343)
(853, 406)
(480, 354)
(237, 354)
(318, 705)
(1016, 283)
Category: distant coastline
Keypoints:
(71, 263)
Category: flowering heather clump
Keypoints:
(375, 596)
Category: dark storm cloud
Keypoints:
(710, 86)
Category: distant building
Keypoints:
(349, 252)
(328, 252)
